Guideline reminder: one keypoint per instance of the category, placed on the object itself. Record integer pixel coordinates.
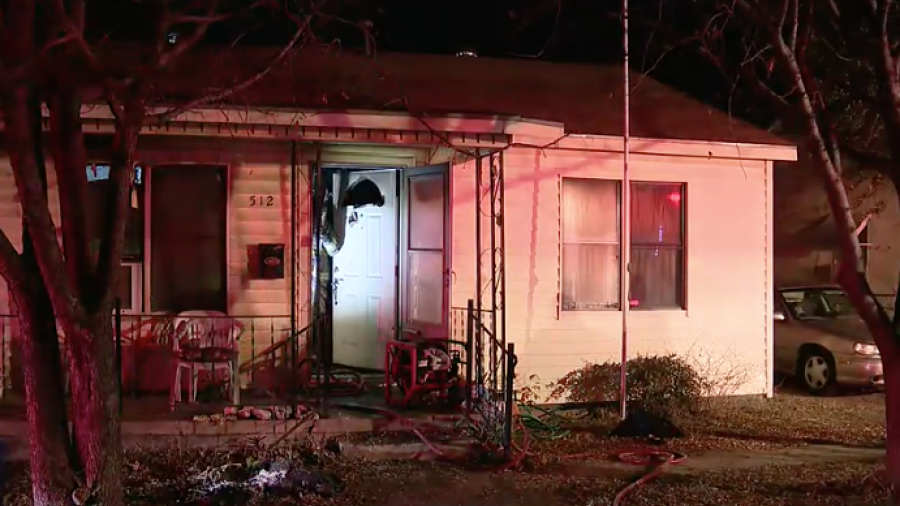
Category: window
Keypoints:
(128, 290)
(591, 234)
(657, 246)
(98, 194)
(864, 243)
(590, 244)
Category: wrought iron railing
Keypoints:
(491, 371)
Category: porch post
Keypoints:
(294, 337)
(478, 306)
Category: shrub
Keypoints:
(663, 385)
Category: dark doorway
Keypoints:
(188, 269)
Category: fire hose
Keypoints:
(655, 460)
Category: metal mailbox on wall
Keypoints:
(271, 261)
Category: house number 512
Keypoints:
(262, 201)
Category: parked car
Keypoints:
(821, 341)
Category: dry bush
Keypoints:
(723, 373)
(664, 385)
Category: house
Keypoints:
(501, 182)
(806, 243)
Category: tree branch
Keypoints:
(121, 177)
(182, 46)
(67, 143)
(10, 77)
(247, 83)
(22, 117)
(11, 268)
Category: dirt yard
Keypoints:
(791, 449)
(398, 484)
(740, 452)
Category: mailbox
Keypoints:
(271, 261)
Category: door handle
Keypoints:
(334, 290)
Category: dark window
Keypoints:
(657, 245)
(125, 288)
(99, 187)
(187, 237)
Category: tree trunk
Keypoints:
(95, 412)
(892, 419)
(52, 476)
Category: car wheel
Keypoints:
(816, 371)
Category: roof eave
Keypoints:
(358, 119)
(672, 147)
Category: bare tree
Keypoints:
(47, 63)
(831, 68)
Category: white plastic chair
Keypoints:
(198, 334)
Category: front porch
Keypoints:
(263, 252)
(273, 370)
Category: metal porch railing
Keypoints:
(490, 371)
(143, 344)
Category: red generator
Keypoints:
(425, 372)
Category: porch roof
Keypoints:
(586, 99)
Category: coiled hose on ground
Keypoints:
(545, 424)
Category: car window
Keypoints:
(813, 303)
(779, 305)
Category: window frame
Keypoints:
(617, 244)
(137, 291)
(681, 247)
(135, 264)
(137, 191)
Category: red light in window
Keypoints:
(634, 303)
(675, 197)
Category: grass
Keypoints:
(791, 417)
(786, 419)
(417, 484)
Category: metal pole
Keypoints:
(625, 288)
(478, 308)
(501, 271)
(118, 329)
(292, 384)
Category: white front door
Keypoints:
(364, 275)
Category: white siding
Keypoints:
(724, 327)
